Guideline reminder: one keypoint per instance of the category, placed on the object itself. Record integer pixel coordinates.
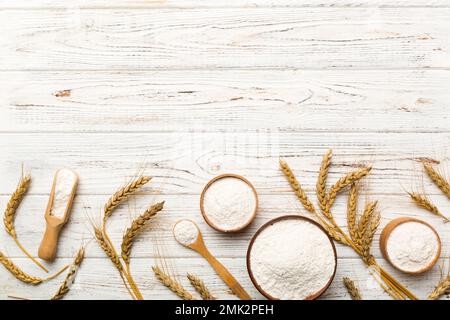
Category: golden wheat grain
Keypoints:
(70, 277)
(438, 179)
(352, 208)
(321, 185)
(442, 288)
(136, 226)
(172, 284)
(200, 287)
(368, 235)
(345, 181)
(352, 289)
(365, 219)
(424, 202)
(107, 248)
(122, 194)
(17, 272)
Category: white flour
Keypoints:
(412, 246)
(229, 203)
(186, 232)
(292, 259)
(65, 181)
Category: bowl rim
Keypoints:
(202, 199)
(270, 223)
(391, 226)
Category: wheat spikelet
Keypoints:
(13, 204)
(135, 228)
(352, 208)
(70, 277)
(352, 289)
(17, 272)
(108, 249)
(299, 192)
(343, 182)
(172, 284)
(321, 184)
(122, 194)
(368, 235)
(442, 288)
(438, 179)
(200, 287)
(422, 201)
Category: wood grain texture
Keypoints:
(345, 100)
(318, 38)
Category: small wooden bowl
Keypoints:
(314, 296)
(385, 237)
(202, 199)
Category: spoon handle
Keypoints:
(227, 277)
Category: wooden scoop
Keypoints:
(199, 246)
(58, 211)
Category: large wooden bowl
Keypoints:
(271, 222)
(385, 237)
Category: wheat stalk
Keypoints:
(352, 289)
(70, 277)
(172, 284)
(10, 215)
(21, 275)
(136, 226)
(122, 194)
(200, 287)
(422, 201)
(352, 208)
(321, 185)
(365, 219)
(442, 288)
(438, 179)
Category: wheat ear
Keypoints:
(352, 208)
(352, 289)
(438, 179)
(21, 275)
(70, 277)
(422, 201)
(136, 226)
(172, 284)
(442, 288)
(321, 185)
(200, 287)
(365, 219)
(10, 215)
(122, 194)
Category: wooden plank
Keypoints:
(346, 100)
(98, 279)
(182, 162)
(66, 4)
(317, 38)
(30, 223)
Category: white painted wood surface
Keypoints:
(186, 90)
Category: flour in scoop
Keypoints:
(412, 246)
(229, 203)
(292, 259)
(186, 232)
(66, 179)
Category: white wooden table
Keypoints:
(187, 89)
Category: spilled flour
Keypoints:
(229, 203)
(186, 232)
(412, 246)
(292, 259)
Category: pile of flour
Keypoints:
(412, 246)
(186, 232)
(66, 179)
(292, 259)
(229, 203)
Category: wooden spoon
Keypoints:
(47, 249)
(199, 246)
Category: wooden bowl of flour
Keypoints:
(289, 260)
(223, 205)
(403, 249)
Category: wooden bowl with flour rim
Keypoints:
(205, 215)
(313, 296)
(385, 237)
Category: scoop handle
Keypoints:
(49, 244)
(227, 277)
